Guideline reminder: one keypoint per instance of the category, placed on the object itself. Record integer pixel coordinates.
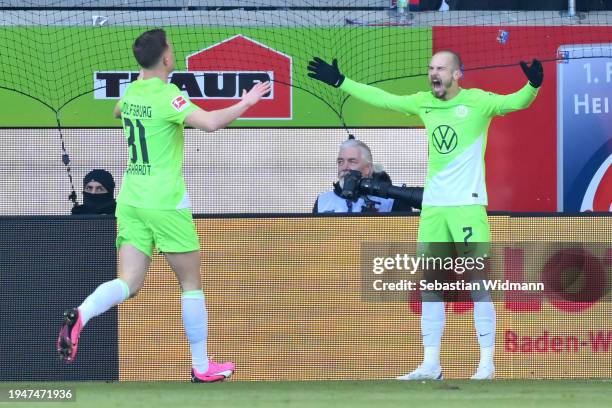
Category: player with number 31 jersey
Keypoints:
(153, 208)
(153, 113)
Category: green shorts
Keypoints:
(466, 227)
(166, 230)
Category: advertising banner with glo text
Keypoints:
(285, 303)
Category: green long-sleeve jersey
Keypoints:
(456, 132)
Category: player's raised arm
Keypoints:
(522, 99)
(218, 119)
(331, 75)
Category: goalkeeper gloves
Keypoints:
(322, 71)
(535, 72)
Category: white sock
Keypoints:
(432, 327)
(195, 320)
(431, 356)
(105, 296)
(486, 356)
(484, 321)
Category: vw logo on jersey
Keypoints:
(461, 111)
(444, 139)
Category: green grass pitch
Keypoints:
(355, 394)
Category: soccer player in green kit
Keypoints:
(455, 196)
(153, 205)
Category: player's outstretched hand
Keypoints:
(535, 72)
(256, 93)
(322, 71)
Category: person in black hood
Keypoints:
(98, 189)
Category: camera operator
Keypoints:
(355, 159)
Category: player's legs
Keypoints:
(186, 267)
(133, 265)
(432, 328)
(176, 237)
(432, 232)
(471, 234)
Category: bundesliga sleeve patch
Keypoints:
(179, 103)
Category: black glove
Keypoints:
(321, 70)
(535, 72)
